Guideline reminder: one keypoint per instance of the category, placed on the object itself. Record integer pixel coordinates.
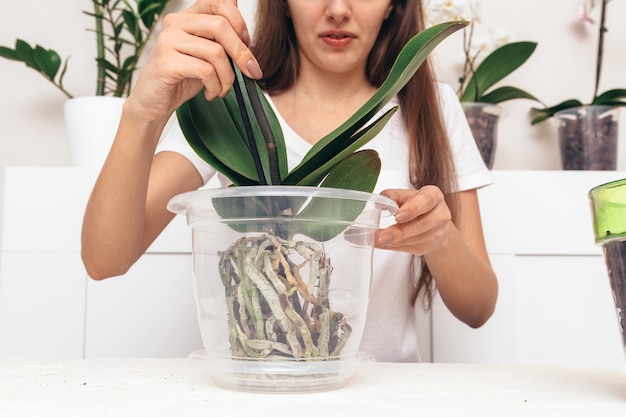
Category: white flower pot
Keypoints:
(91, 126)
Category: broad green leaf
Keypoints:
(230, 154)
(506, 93)
(132, 25)
(209, 119)
(45, 61)
(321, 164)
(610, 97)
(149, 10)
(548, 112)
(225, 134)
(48, 62)
(8, 53)
(25, 54)
(497, 65)
(109, 66)
(410, 58)
(129, 63)
(358, 171)
(224, 143)
(256, 129)
(215, 131)
(118, 29)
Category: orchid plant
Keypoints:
(241, 138)
(244, 141)
(488, 56)
(614, 97)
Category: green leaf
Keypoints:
(506, 93)
(47, 61)
(149, 10)
(322, 163)
(358, 171)
(109, 66)
(8, 53)
(129, 63)
(610, 97)
(132, 24)
(219, 126)
(410, 58)
(214, 130)
(213, 125)
(497, 65)
(548, 112)
(257, 131)
(25, 53)
(186, 115)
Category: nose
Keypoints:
(338, 10)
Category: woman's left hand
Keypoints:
(423, 221)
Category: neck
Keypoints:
(331, 90)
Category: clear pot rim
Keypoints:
(490, 108)
(601, 110)
(202, 198)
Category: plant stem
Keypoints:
(266, 130)
(120, 85)
(101, 77)
(600, 54)
(254, 151)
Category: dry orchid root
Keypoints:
(272, 311)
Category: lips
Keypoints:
(337, 39)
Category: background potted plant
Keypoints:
(488, 59)
(588, 132)
(290, 320)
(123, 29)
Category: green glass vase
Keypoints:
(608, 204)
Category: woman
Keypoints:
(322, 59)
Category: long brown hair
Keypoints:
(430, 162)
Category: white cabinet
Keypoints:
(555, 304)
(50, 309)
(42, 305)
(149, 312)
(554, 307)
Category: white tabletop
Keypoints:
(181, 387)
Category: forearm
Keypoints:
(465, 280)
(113, 227)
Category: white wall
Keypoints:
(32, 131)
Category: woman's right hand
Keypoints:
(192, 52)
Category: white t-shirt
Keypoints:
(390, 330)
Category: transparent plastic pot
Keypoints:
(282, 277)
(588, 137)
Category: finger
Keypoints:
(227, 26)
(211, 64)
(420, 243)
(415, 203)
(400, 196)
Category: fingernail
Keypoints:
(255, 69)
(385, 238)
(245, 37)
(403, 216)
